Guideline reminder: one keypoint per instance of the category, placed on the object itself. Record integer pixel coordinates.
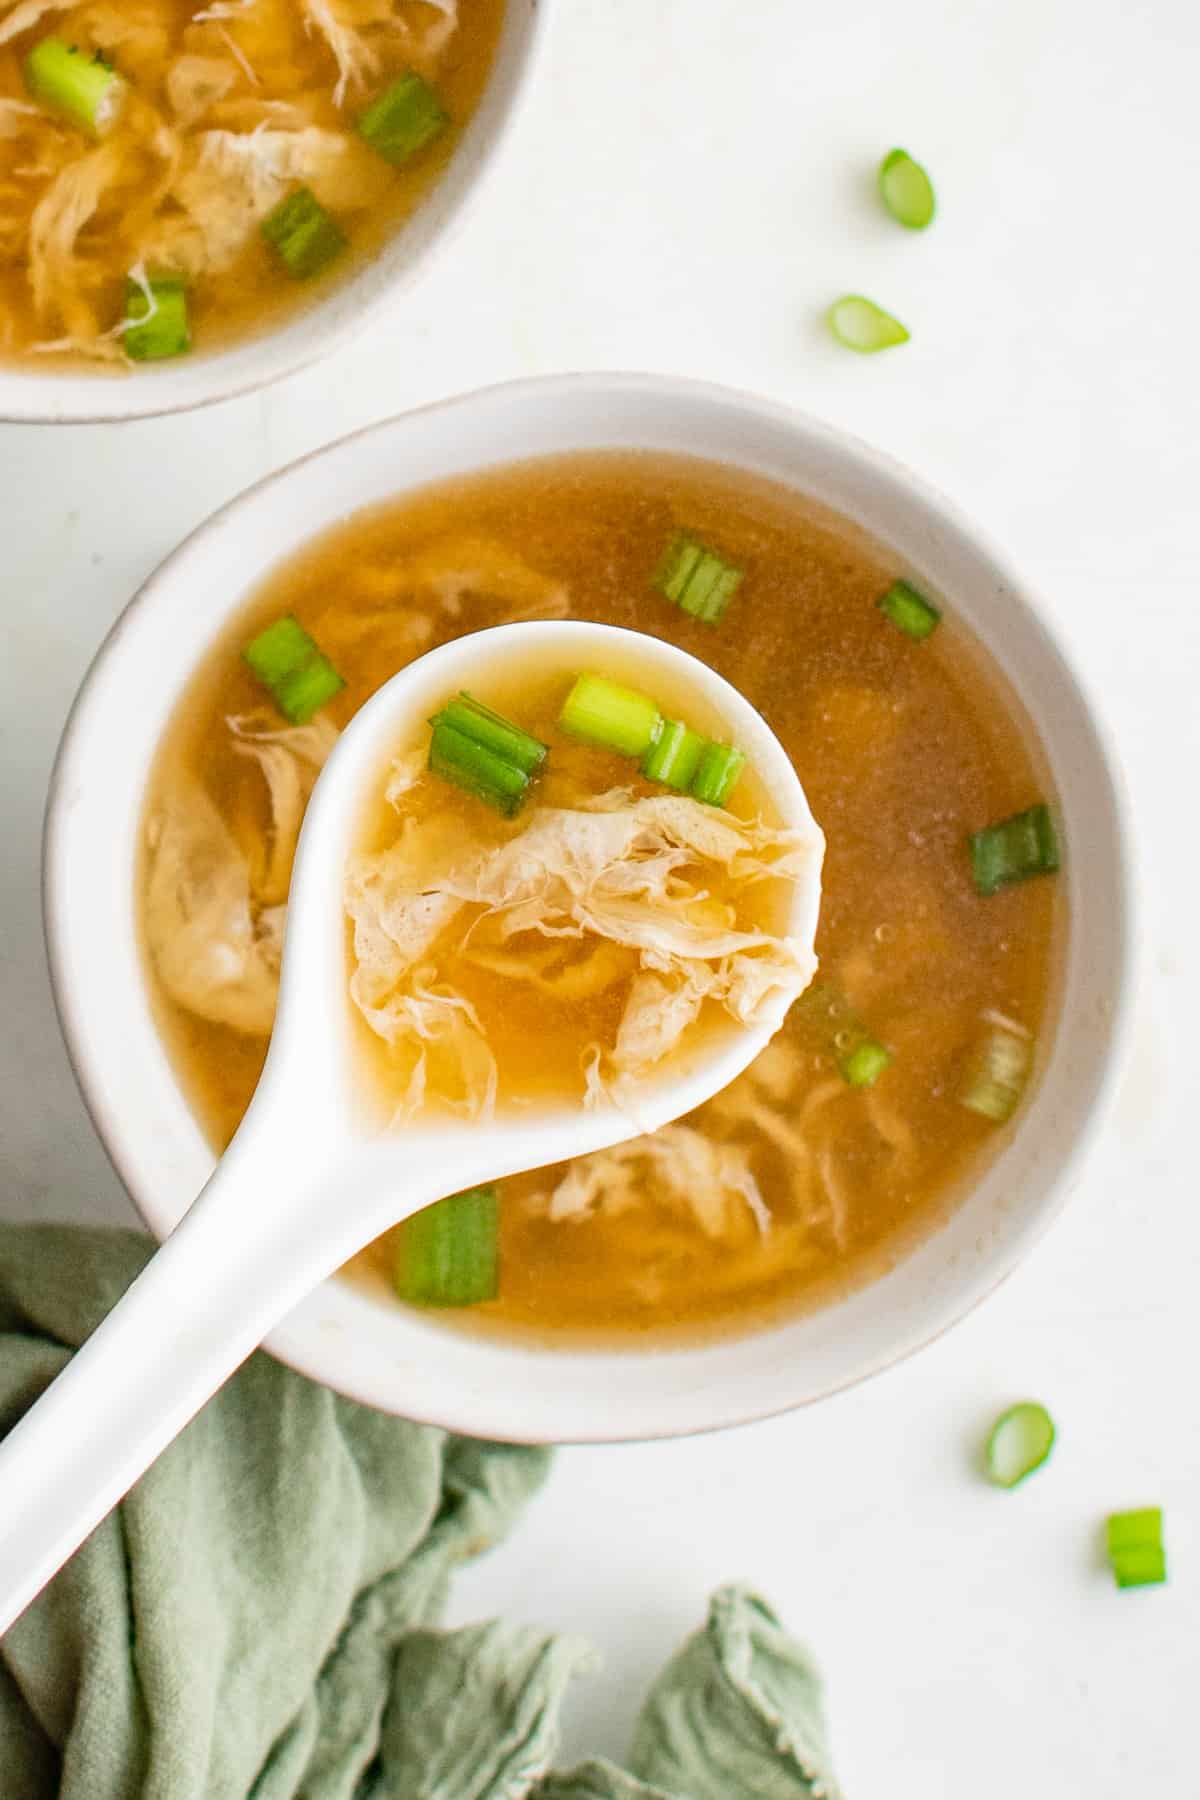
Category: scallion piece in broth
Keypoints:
(860, 1058)
(303, 235)
(82, 88)
(674, 757)
(156, 318)
(717, 773)
(602, 712)
(1135, 1547)
(699, 581)
(862, 1066)
(406, 116)
(860, 325)
(906, 190)
(996, 1074)
(477, 770)
(306, 690)
(449, 1255)
(1018, 1443)
(1015, 849)
(288, 662)
(496, 733)
(909, 611)
(279, 650)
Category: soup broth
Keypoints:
(568, 951)
(223, 114)
(794, 1183)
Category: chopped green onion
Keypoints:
(449, 1255)
(696, 578)
(863, 1065)
(996, 1075)
(674, 757)
(861, 1059)
(404, 118)
(861, 325)
(718, 773)
(279, 650)
(286, 660)
(1135, 1547)
(494, 732)
(477, 770)
(676, 565)
(1145, 1567)
(915, 616)
(600, 712)
(1018, 1443)
(618, 718)
(156, 314)
(484, 753)
(305, 691)
(302, 234)
(82, 88)
(1134, 1530)
(1014, 849)
(906, 190)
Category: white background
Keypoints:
(691, 185)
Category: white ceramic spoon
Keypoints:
(310, 1176)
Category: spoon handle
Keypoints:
(235, 1264)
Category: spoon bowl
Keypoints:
(313, 1053)
(312, 1174)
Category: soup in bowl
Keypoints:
(910, 1128)
(195, 199)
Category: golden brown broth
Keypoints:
(294, 68)
(903, 749)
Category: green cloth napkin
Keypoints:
(257, 1618)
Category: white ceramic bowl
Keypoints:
(82, 397)
(394, 1359)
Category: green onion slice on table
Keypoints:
(1018, 1443)
(860, 325)
(1135, 1547)
(906, 190)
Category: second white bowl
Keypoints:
(85, 396)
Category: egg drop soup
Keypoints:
(179, 174)
(904, 1061)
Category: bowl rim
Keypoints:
(293, 1342)
(311, 333)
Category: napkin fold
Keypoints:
(258, 1618)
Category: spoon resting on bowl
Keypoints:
(311, 1176)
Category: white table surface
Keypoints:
(691, 185)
